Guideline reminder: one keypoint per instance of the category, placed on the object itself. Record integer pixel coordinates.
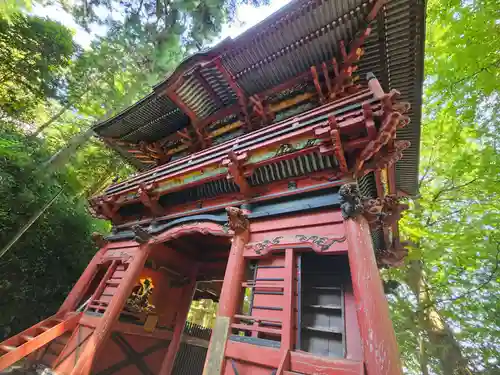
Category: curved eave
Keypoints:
(299, 35)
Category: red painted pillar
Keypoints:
(287, 330)
(230, 294)
(180, 321)
(380, 350)
(233, 277)
(81, 286)
(103, 329)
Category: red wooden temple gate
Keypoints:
(271, 177)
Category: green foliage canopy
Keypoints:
(41, 268)
(34, 53)
(446, 310)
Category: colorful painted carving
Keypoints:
(138, 301)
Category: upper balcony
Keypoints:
(262, 108)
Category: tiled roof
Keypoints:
(302, 34)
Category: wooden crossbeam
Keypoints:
(150, 199)
(172, 94)
(242, 99)
(236, 172)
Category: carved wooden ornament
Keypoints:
(238, 220)
(319, 244)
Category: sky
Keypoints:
(246, 17)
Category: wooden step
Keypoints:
(97, 307)
(35, 338)
(256, 319)
(325, 307)
(99, 304)
(271, 308)
(244, 327)
(269, 293)
(262, 285)
(323, 329)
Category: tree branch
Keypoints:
(428, 168)
(483, 69)
(473, 290)
(452, 188)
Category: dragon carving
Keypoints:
(351, 204)
(237, 219)
(383, 212)
(392, 257)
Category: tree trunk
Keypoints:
(54, 118)
(99, 184)
(62, 156)
(443, 344)
(30, 222)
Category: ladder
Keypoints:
(21, 345)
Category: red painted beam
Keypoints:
(182, 312)
(231, 292)
(178, 101)
(113, 310)
(332, 106)
(219, 115)
(213, 95)
(38, 341)
(306, 363)
(242, 98)
(284, 191)
(381, 355)
(374, 11)
(303, 77)
(301, 362)
(288, 326)
(83, 283)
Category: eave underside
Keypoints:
(205, 98)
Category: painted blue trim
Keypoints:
(277, 207)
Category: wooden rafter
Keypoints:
(234, 163)
(150, 199)
(219, 115)
(317, 85)
(185, 137)
(213, 95)
(106, 207)
(201, 137)
(242, 99)
(261, 110)
(374, 11)
(348, 59)
(196, 143)
(172, 94)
